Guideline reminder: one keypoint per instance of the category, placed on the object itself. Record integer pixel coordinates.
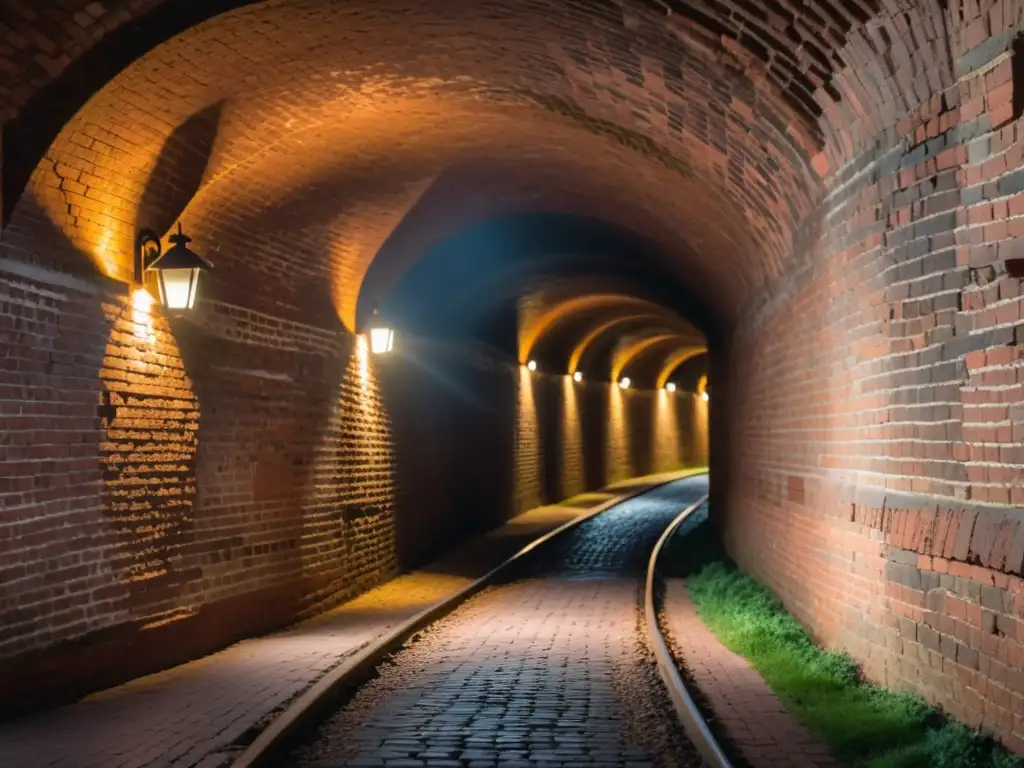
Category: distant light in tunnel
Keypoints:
(670, 387)
(577, 376)
(532, 365)
(704, 396)
(624, 382)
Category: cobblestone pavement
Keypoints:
(198, 714)
(548, 669)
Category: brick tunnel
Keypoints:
(614, 238)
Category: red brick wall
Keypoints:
(875, 396)
(876, 358)
(160, 480)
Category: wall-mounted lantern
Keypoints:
(624, 382)
(177, 269)
(382, 335)
(577, 377)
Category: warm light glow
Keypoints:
(577, 377)
(675, 360)
(566, 308)
(624, 382)
(106, 260)
(570, 459)
(363, 361)
(532, 365)
(617, 454)
(382, 339)
(668, 435)
(630, 349)
(141, 300)
(178, 287)
(583, 344)
(529, 449)
(142, 318)
(704, 396)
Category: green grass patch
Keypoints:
(864, 725)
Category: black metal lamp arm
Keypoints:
(147, 240)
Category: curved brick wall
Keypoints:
(837, 180)
(875, 440)
(359, 129)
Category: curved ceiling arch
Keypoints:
(581, 347)
(314, 76)
(638, 346)
(497, 263)
(599, 357)
(73, 65)
(673, 362)
(549, 318)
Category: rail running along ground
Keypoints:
(548, 663)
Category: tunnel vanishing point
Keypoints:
(807, 209)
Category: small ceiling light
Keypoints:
(177, 270)
(670, 387)
(704, 396)
(532, 365)
(624, 382)
(382, 335)
(577, 377)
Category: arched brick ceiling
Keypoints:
(593, 308)
(584, 324)
(683, 366)
(617, 323)
(481, 275)
(651, 344)
(336, 122)
(594, 341)
(591, 322)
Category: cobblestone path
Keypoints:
(548, 669)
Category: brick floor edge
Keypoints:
(755, 723)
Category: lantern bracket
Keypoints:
(147, 250)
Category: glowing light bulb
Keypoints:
(577, 377)
(704, 396)
(532, 365)
(671, 386)
(624, 382)
(382, 340)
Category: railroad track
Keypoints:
(555, 657)
(689, 715)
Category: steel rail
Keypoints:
(689, 715)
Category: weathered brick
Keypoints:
(992, 598)
(810, 199)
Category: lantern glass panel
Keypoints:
(381, 340)
(178, 287)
